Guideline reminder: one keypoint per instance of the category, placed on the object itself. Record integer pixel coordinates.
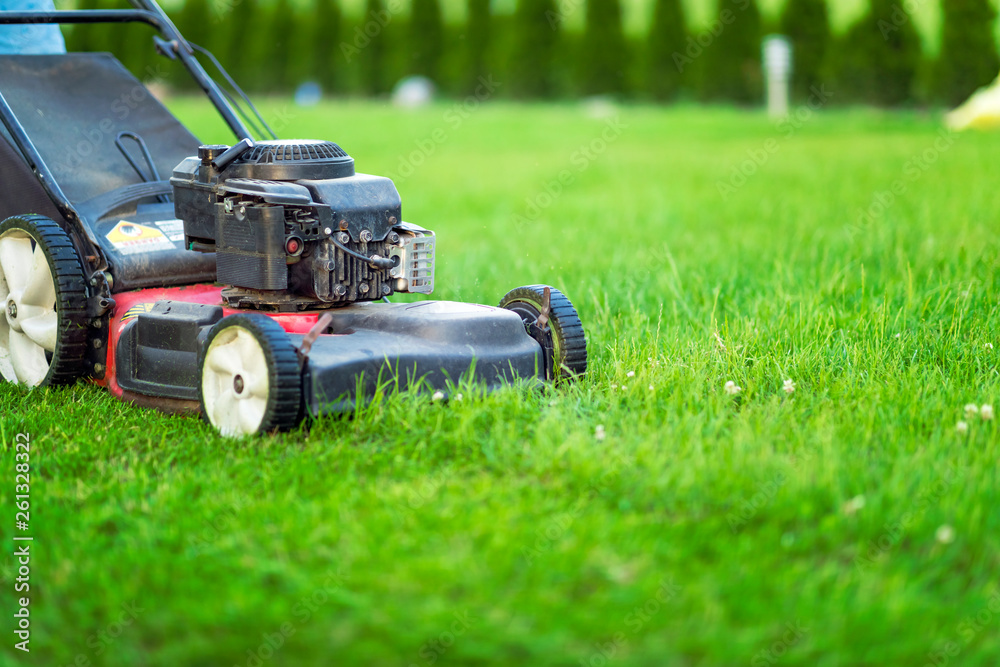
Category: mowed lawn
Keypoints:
(847, 523)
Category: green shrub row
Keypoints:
(275, 46)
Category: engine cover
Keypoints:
(294, 227)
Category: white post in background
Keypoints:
(778, 72)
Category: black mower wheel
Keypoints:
(251, 381)
(43, 326)
(563, 332)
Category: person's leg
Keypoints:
(30, 39)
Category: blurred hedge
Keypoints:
(273, 45)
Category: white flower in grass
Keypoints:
(788, 387)
(614, 386)
(651, 388)
(438, 395)
(945, 534)
(732, 388)
(630, 374)
(971, 410)
(458, 397)
(599, 432)
(989, 346)
(852, 506)
(986, 412)
(624, 387)
(962, 427)
(898, 335)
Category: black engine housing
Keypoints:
(292, 225)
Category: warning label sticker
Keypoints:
(131, 239)
(137, 310)
(174, 229)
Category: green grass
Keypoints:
(694, 533)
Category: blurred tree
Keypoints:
(426, 38)
(666, 37)
(195, 22)
(326, 36)
(240, 52)
(807, 25)
(369, 44)
(100, 36)
(536, 31)
(136, 51)
(879, 56)
(968, 57)
(283, 72)
(477, 36)
(603, 54)
(732, 59)
(82, 36)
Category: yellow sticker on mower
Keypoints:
(128, 238)
(137, 310)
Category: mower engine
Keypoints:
(293, 227)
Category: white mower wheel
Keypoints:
(43, 334)
(250, 377)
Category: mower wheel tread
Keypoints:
(69, 360)
(567, 329)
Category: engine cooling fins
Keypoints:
(290, 160)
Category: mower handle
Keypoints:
(148, 12)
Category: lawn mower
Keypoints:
(247, 282)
